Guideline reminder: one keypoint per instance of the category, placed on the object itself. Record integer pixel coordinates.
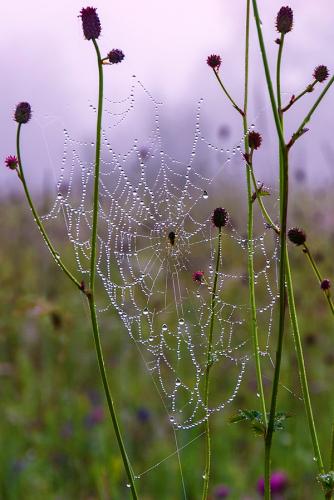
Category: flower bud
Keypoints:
(115, 56)
(214, 61)
(22, 112)
(254, 140)
(90, 23)
(297, 236)
(11, 162)
(284, 20)
(198, 276)
(325, 285)
(219, 217)
(321, 73)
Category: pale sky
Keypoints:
(46, 61)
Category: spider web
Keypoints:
(145, 196)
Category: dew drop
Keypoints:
(145, 311)
(164, 327)
(205, 195)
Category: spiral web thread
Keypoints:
(145, 194)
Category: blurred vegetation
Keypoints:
(56, 438)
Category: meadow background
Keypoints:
(56, 440)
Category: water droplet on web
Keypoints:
(178, 382)
(205, 195)
(128, 485)
(181, 321)
(164, 327)
(145, 311)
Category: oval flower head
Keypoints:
(219, 217)
(22, 113)
(91, 25)
(11, 162)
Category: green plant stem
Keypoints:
(312, 110)
(267, 74)
(38, 221)
(226, 93)
(250, 228)
(259, 199)
(293, 100)
(315, 268)
(209, 363)
(282, 267)
(278, 75)
(91, 292)
(301, 368)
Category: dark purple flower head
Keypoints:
(254, 140)
(90, 23)
(219, 217)
(221, 491)
(325, 284)
(278, 483)
(321, 73)
(297, 236)
(284, 20)
(11, 162)
(198, 276)
(115, 56)
(22, 112)
(214, 61)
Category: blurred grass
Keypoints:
(56, 439)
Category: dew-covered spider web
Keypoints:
(154, 232)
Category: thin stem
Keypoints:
(259, 199)
(294, 99)
(38, 221)
(267, 74)
(278, 74)
(250, 227)
(111, 406)
(301, 368)
(318, 275)
(312, 110)
(209, 364)
(91, 292)
(227, 94)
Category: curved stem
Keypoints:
(227, 94)
(91, 292)
(278, 74)
(38, 221)
(260, 202)
(209, 363)
(318, 275)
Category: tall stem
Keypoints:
(318, 275)
(91, 292)
(209, 363)
(250, 224)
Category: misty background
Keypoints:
(46, 61)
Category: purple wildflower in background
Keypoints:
(221, 491)
(325, 284)
(284, 20)
(278, 483)
(214, 61)
(22, 112)
(90, 23)
(143, 415)
(254, 140)
(297, 236)
(321, 73)
(94, 417)
(219, 217)
(11, 162)
(115, 56)
(198, 276)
